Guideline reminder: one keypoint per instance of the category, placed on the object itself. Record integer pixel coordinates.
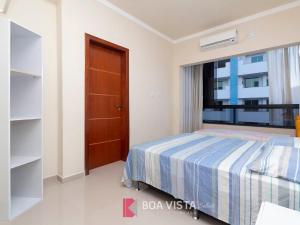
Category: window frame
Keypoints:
(258, 107)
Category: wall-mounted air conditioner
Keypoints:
(220, 39)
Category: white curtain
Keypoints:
(279, 77)
(284, 81)
(284, 75)
(294, 69)
(191, 98)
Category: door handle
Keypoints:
(119, 107)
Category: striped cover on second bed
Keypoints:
(278, 161)
(212, 172)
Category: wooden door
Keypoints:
(106, 88)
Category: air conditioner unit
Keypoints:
(220, 39)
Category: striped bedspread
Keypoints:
(279, 161)
(212, 173)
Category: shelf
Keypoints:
(25, 118)
(26, 138)
(21, 130)
(25, 97)
(21, 204)
(17, 161)
(26, 187)
(26, 50)
(18, 73)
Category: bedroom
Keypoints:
(161, 39)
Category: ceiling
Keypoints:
(180, 18)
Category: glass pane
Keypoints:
(218, 115)
(252, 116)
(256, 116)
(268, 117)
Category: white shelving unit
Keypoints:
(21, 184)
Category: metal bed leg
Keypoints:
(196, 214)
(138, 186)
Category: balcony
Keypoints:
(252, 68)
(223, 94)
(254, 92)
(224, 72)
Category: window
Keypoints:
(252, 59)
(222, 63)
(257, 58)
(251, 102)
(218, 103)
(238, 93)
(251, 82)
(219, 85)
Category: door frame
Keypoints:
(89, 39)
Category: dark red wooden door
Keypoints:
(106, 105)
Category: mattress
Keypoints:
(211, 173)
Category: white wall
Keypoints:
(256, 35)
(40, 17)
(150, 74)
(154, 69)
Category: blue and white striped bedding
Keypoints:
(279, 161)
(284, 141)
(212, 172)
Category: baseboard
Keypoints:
(50, 179)
(70, 178)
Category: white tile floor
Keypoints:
(97, 199)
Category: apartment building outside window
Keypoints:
(242, 93)
(251, 74)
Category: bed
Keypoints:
(210, 170)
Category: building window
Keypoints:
(252, 59)
(252, 82)
(257, 58)
(219, 85)
(222, 63)
(251, 102)
(218, 103)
